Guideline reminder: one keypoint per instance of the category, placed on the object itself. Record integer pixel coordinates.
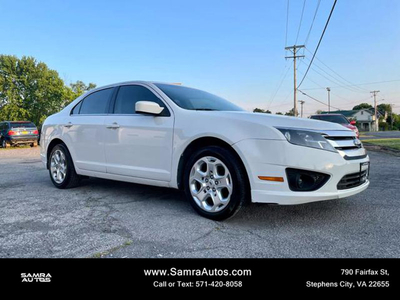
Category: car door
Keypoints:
(84, 131)
(138, 145)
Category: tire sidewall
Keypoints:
(70, 166)
(239, 194)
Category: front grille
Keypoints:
(352, 180)
(344, 142)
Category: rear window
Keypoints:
(332, 118)
(22, 125)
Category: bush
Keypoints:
(383, 126)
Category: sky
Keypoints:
(232, 48)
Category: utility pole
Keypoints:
(294, 50)
(376, 110)
(391, 116)
(329, 99)
(301, 103)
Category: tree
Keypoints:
(260, 110)
(79, 87)
(384, 109)
(279, 113)
(362, 106)
(74, 90)
(290, 112)
(29, 90)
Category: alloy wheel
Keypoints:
(210, 184)
(58, 166)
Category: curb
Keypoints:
(372, 147)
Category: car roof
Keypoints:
(321, 115)
(328, 115)
(132, 82)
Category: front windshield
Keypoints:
(194, 99)
(340, 119)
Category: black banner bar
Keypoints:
(306, 276)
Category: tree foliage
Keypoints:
(260, 110)
(290, 112)
(362, 106)
(29, 90)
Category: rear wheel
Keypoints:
(215, 183)
(61, 168)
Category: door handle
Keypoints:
(68, 125)
(113, 126)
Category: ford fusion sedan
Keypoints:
(221, 156)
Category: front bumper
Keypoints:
(272, 157)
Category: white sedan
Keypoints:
(220, 155)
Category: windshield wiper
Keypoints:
(208, 109)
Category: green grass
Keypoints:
(389, 143)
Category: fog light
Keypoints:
(305, 181)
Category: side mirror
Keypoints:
(148, 107)
(353, 122)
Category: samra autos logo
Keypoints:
(36, 277)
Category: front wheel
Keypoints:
(215, 183)
(4, 143)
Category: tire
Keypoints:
(215, 183)
(61, 170)
(4, 143)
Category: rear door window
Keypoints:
(76, 109)
(96, 103)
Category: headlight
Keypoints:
(307, 138)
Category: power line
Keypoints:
(312, 23)
(317, 100)
(347, 100)
(366, 83)
(349, 82)
(279, 86)
(301, 20)
(334, 79)
(319, 43)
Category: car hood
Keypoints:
(281, 121)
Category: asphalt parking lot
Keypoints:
(112, 219)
